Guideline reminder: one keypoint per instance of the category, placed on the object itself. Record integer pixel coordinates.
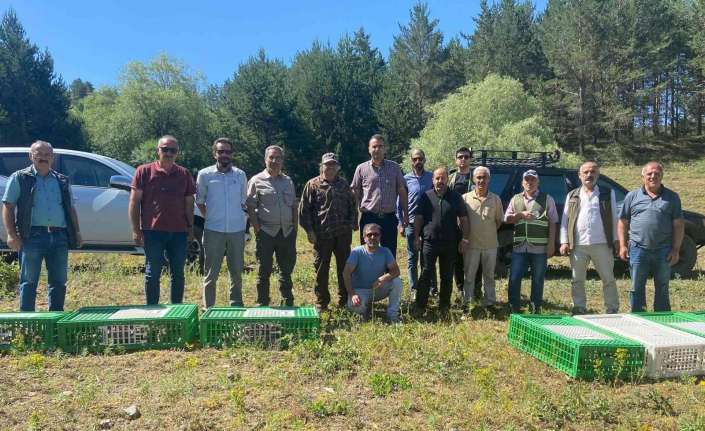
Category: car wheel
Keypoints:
(195, 250)
(688, 256)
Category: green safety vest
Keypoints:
(534, 232)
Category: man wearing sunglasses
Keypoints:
(371, 274)
(221, 195)
(161, 212)
(418, 181)
(460, 181)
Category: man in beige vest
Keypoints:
(588, 233)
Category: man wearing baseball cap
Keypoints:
(534, 216)
(328, 214)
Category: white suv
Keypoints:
(101, 190)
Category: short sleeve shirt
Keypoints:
(47, 207)
(163, 196)
(378, 186)
(651, 219)
(368, 266)
(440, 215)
(485, 217)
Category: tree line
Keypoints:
(595, 76)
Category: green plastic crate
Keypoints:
(31, 330)
(266, 326)
(693, 323)
(577, 348)
(130, 327)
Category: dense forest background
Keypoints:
(620, 80)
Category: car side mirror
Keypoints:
(121, 182)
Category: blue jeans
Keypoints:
(156, 243)
(53, 247)
(392, 290)
(520, 263)
(642, 263)
(413, 258)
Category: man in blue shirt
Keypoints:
(41, 223)
(418, 181)
(650, 236)
(221, 195)
(372, 274)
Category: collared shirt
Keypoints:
(47, 208)
(440, 215)
(274, 199)
(551, 213)
(327, 208)
(415, 186)
(378, 186)
(224, 195)
(588, 227)
(651, 219)
(485, 217)
(163, 196)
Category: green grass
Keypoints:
(431, 374)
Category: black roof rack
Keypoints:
(534, 159)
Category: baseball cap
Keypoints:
(329, 157)
(530, 173)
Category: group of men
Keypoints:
(451, 218)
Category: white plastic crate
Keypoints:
(669, 352)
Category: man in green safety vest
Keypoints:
(534, 216)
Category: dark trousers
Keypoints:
(284, 247)
(445, 252)
(323, 250)
(388, 222)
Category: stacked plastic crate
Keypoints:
(579, 349)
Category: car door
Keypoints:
(102, 210)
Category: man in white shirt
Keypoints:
(589, 233)
(221, 195)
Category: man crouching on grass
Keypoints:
(372, 274)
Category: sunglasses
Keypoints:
(167, 150)
(462, 156)
(223, 151)
(372, 234)
(416, 159)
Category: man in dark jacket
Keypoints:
(41, 223)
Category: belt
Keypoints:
(380, 214)
(49, 228)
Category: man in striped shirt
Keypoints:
(377, 184)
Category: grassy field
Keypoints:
(448, 375)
